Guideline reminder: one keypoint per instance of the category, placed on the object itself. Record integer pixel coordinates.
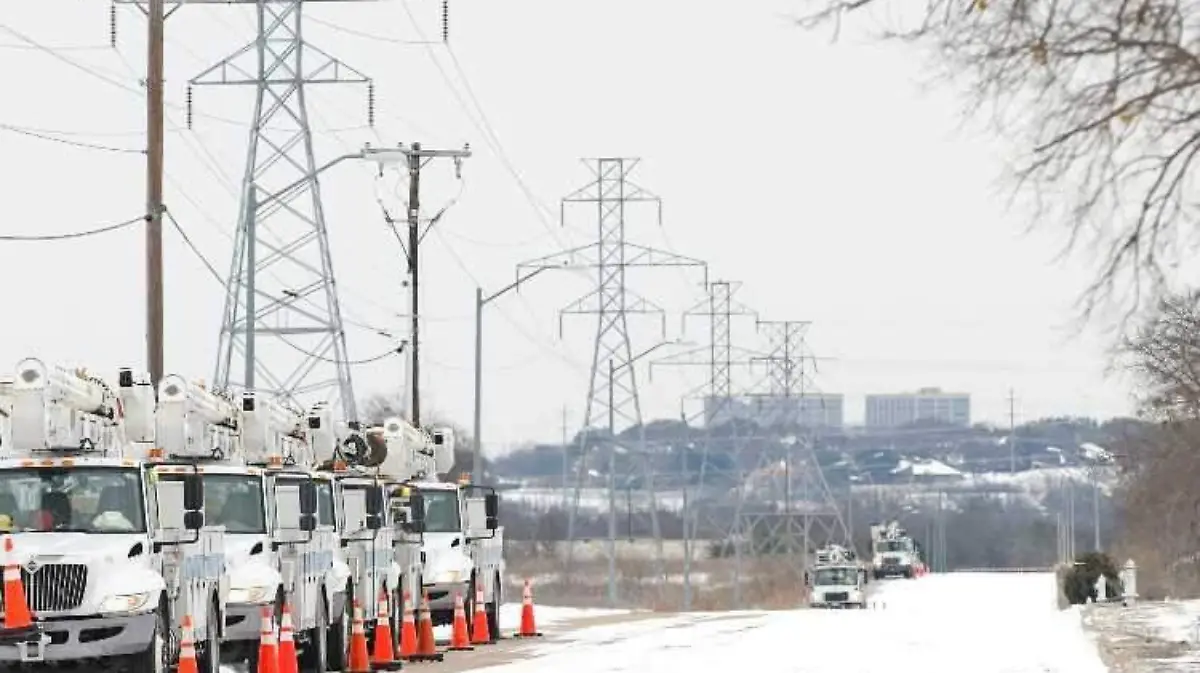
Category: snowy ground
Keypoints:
(982, 623)
(1153, 637)
(1000, 623)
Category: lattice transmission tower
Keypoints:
(790, 511)
(706, 491)
(282, 328)
(613, 401)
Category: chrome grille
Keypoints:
(55, 586)
(837, 596)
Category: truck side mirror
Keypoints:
(491, 507)
(193, 493)
(416, 516)
(308, 499)
(308, 522)
(193, 520)
(375, 508)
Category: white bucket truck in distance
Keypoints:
(111, 558)
(836, 580)
(892, 551)
(463, 544)
(282, 534)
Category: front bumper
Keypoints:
(80, 638)
(441, 594)
(243, 621)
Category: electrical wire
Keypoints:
(75, 234)
(364, 34)
(32, 133)
(212, 270)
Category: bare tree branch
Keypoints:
(1102, 97)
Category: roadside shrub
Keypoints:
(1079, 585)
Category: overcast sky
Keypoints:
(820, 176)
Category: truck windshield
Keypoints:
(836, 576)
(891, 545)
(235, 501)
(72, 500)
(441, 511)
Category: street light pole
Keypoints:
(480, 302)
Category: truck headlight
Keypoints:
(252, 595)
(125, 603)
(448, 577)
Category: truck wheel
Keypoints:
(316, 654)
(156, 658)
(492, 609)
(908, 573)
(396, 620)
(210, 655)
(338, 644)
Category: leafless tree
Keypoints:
(1102, 97)
(1165, 354)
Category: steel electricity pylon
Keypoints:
(282, 328)
(612, 398)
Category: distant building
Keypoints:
(927, 404)
(815, 411)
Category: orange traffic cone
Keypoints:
(408, 632)
(480, 633)
(268, 652)
(384, 658)
(18, 620)
(359, 661)
(528, 625)
(426, 645)
(187, 648)
(460, 638)
(289, 661)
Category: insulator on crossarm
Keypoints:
(446, 21)
(189, 106)
(112, 25)
(371, 104)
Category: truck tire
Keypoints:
(210, 655)
(908, 573)
(316, 652)
(396, 615)
(338, 643)
(492, 609)
(157, 657)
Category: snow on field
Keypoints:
(1001, 623)
(1164, 635)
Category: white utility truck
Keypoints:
(836, 580)
(463, 543)
(893, 553)
(253, 456)
(112, 557)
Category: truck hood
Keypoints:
(77, 547)
(446, 559)
(248, 570)
(113, 571)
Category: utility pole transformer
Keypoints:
(281, 281)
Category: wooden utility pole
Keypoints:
(154, 190)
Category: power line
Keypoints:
(364, 34)
(72, 143)
(73, 235)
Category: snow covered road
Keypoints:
(982, 623)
